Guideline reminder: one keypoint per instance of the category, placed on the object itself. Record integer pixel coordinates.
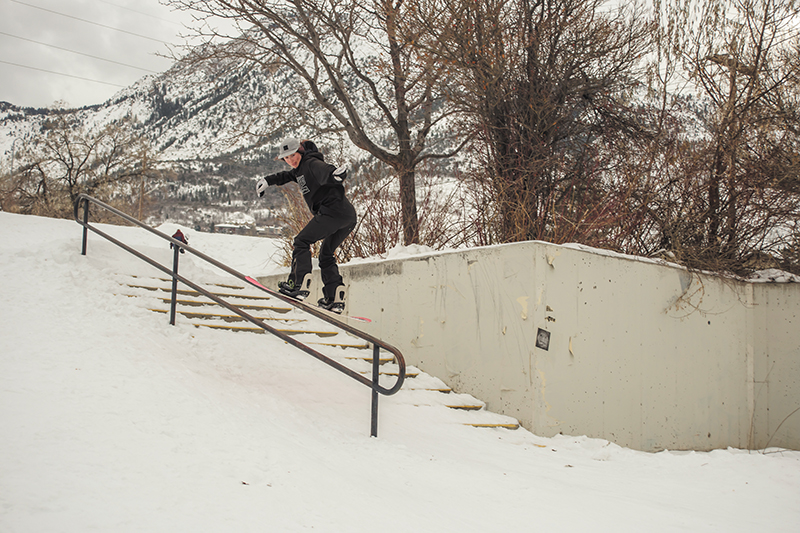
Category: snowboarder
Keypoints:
(334, 218)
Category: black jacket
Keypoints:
(315, 178)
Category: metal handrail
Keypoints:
(177, 245)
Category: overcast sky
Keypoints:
(51, 49)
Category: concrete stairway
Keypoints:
(419, 388)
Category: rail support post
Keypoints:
(174, 300)
(376, 352)
(85, 227)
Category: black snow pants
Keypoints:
(331, 225)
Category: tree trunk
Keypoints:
(408, 207)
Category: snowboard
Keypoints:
(340, 297)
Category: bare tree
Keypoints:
(740, 194)
(352, 59)
(65, 160)
(545, 84)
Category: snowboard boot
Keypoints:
(335, 304)
(298, 292)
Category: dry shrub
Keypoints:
(66, 158)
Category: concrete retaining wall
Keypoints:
(646, 355)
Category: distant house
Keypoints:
(246, 229)
(269, 231)
(234, 229)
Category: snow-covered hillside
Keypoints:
(190, 114)
(186, 114)
(113, 420)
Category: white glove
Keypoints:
(340, 173)
(261, 187)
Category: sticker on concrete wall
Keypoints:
(543, 339)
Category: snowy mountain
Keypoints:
(188, 113)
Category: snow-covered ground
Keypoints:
(112, 420)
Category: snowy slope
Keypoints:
(190, 114)
(187, 114)
(115, 421)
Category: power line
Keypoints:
(61, 73)
(91, 22)
(76, 52)
(142, 13)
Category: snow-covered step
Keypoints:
(420, 381)
(230, 317)
(210, 303)
(253, 329)
(453, 401)
(240, 288)
(351, 345)
(191, 292)
(393, 370)
(381, 359)
(225, 290)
